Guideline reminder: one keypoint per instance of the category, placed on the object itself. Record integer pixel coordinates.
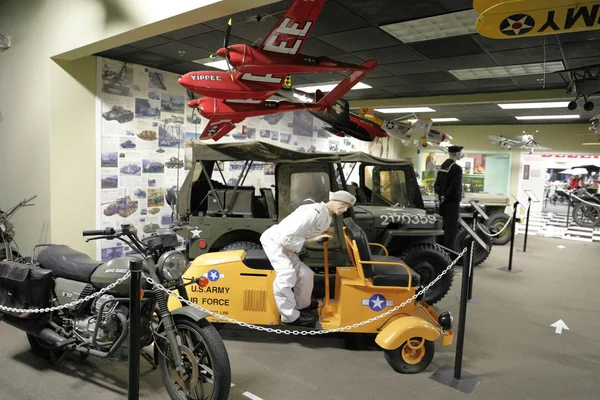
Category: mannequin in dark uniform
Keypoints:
(448, 188)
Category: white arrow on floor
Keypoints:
(559, 325)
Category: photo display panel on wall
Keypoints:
(146, 130)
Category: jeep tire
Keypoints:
(495, 223)
(463, 238)
(429, 260)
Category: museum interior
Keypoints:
(299, 199)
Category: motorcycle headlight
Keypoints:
(172, 265)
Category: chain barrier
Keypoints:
(69, 305)
(305, 332)
(583, 201)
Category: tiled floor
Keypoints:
(555, 225)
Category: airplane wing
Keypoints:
(217, 128)
(291, 31)
(539, 148)
(500, 139)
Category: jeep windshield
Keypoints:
(389, 186)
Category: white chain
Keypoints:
(305, 332)
(497, 233)
(75, 303)
(586, 202)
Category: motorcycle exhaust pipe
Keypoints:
(36, 329)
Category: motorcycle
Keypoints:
(85, 309)
(8, 248)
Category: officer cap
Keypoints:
(454, 149)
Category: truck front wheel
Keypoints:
(429, 260)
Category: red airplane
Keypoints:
(224, 113)
(280, 50)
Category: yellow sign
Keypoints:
(516, 19)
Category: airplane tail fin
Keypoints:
(347, 83)
(369, 114)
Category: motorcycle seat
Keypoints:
(67, 263)
(257, 259)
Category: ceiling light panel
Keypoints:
(404, 110)
(522, 106)
(437, 120)
(211, 62)
(507, 71)
(441, 26)
(532, 117)
(327, 87)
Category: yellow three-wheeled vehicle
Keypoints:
(240, 286)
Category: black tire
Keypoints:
(242, 245)
(213, 351)
(422, 356)
(495, 223)
(429, 260)
(586, 215)
(45, 350)
(463, 238)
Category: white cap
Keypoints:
(342, 195)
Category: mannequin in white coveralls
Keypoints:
(282, 241)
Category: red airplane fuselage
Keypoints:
(218, 84)
(218, 108)
(250, 59)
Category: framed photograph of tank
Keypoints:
(145, 108)
(171, 135)
(109, 160)
(127, 143)
(172, 103)
(153, 166)
(156, 197)
(109, 182)
(117, 78)
(156, 80)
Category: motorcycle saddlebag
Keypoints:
(24, 286)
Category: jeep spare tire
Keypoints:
(495, 223)
(429, 260)
(463, 238)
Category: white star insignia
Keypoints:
(517, 31)
(196, 233)
(377, 303)
(214, 275)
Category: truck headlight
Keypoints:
(172, 265)
(445, 320)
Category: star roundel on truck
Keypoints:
(377, 302)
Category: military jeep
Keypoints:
(229, 214)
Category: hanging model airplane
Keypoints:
(523, 141)
(223, 113)
(279, 53)
(338, 118)
(262, 71)
(415, 134)
(583, 82)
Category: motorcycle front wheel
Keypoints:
(206, 363)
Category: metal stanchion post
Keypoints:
(568, 209)
(472, 249)
(512, 241)
(456, 377)
(527, 226)
(133, 389)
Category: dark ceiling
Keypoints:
(350, 31)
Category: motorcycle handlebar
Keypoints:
(106, 231)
